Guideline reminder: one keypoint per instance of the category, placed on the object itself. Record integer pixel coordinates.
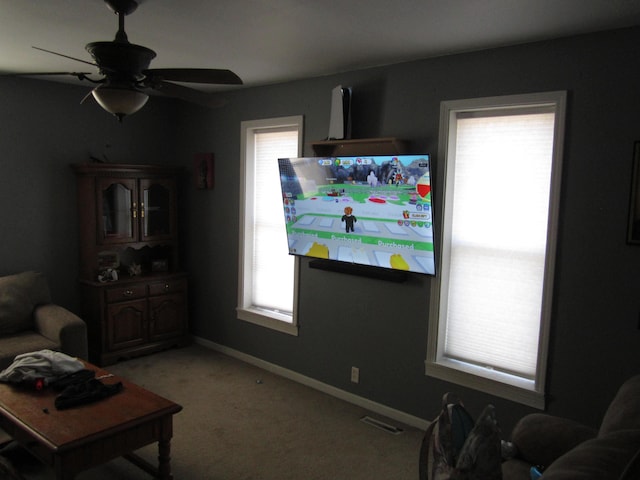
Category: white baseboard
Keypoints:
(370, 405)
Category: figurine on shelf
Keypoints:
(108, 275)
(135, 269)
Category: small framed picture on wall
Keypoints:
(633, 234)
(203, 170)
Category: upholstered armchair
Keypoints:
(571, 451)
(29, 321)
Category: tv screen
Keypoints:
(365, 210)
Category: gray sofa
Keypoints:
(573, 451)
(29, 321)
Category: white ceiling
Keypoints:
(272, 41)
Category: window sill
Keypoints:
(487, 381)
(272, 320)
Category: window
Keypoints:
(267, 274)
(490, 306)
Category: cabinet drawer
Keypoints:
(167, 286)
(128, 292)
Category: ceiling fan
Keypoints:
(126, 72)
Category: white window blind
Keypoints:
(267, 276)
(273, 267)
(491, 303)
(498, 240)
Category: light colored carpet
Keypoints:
(242, 423)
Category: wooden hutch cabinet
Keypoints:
(128, 225)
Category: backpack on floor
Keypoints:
(481, 455)
(454, 448)
(444, 439)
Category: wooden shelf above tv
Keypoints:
(362, 146)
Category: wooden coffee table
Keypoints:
(82, 437)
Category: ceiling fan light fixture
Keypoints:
(119, 101)
(126, 73)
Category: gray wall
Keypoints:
(43, 130)
(378, 326)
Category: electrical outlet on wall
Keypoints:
(355, 374)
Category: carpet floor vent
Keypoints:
(381, 425)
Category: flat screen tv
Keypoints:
(373, 211)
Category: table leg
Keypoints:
(164, 434)
(61, 472)
(164, 460)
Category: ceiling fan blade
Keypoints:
(189, 94)
(78, 75)
(195, 75)
(65, 56)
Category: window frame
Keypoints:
(531, 393)
(272, 319)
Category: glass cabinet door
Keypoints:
(117, 211)
(157, 210)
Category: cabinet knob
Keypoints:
(127, 293)
(166, 287)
